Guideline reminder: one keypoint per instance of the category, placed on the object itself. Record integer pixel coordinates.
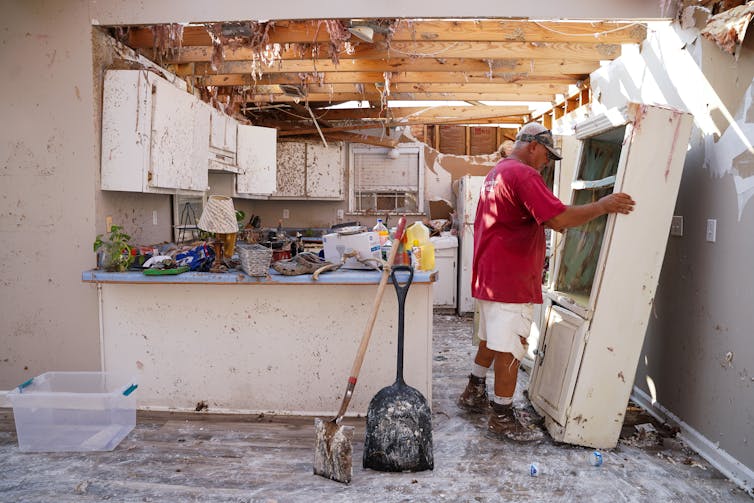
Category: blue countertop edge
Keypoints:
(340, 277)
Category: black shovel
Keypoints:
(399, 420)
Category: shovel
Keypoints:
(332, 450)
(399, 420)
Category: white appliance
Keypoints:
(600, 294)
(467, 196)
(446, 258)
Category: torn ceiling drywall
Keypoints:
(728, 28)
(733, 153)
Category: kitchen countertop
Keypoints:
(236, 277)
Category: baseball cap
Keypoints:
(535, 131)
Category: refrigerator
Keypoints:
(467, 196)
(601, 288)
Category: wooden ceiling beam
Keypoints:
(424, 112)
(503, 88)
(410, 122)
(396, 77)
(576, 51)
(331, 98)
(493, 66)
(501, 30)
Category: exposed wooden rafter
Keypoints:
(437, 60)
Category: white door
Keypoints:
(468, 198)
(558, 360)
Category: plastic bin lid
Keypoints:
(444, 241)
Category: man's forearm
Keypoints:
(574, 216)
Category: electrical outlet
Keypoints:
(286, 213)
(711, 230)
(108, 223)
(676, 226)
(154, 217)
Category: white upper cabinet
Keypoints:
(180, 127)
(222, 142)
(325, 169)
(154, 135)
(308, 170)
(257, 161)
(291, 174)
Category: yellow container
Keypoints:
(417, 232)
(427, 262)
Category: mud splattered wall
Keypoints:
(47, 184)
(698, 359)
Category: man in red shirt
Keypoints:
(514, 207)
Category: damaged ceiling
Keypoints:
(287, 73)
(283, 74)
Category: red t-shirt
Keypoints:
(509, 237)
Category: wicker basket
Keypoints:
(255, 259)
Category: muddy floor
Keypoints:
(230, 458)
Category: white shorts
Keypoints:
(505, 327)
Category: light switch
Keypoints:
(711, 230)
(676, 226)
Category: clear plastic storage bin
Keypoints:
(73, 411)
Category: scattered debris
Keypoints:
(81, 487)
(645, 428)
(202, 405)
(728, 360)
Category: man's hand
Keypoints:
(574, 216)
(617, 203)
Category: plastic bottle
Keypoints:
(418, 235)
(595, 458)
(428, 256)
(534, 470)
(416, 255)
(381, 231)
(417, 232)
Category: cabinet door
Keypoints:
(256, 160)
(558, 359)
(325, 170)
(176, 156)
(197, 169)
(126, 117)
(291, 170)
(223, 133)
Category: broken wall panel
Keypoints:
(482, 140)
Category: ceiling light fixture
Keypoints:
(365, 33)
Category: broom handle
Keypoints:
(373, 316)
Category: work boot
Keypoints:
(474, 398)
(504, 423)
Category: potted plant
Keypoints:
(115, 251)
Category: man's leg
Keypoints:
(474, 398)
(503, 422)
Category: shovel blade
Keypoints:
(333, 452)
(398, 431)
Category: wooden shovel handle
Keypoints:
(372, 317)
